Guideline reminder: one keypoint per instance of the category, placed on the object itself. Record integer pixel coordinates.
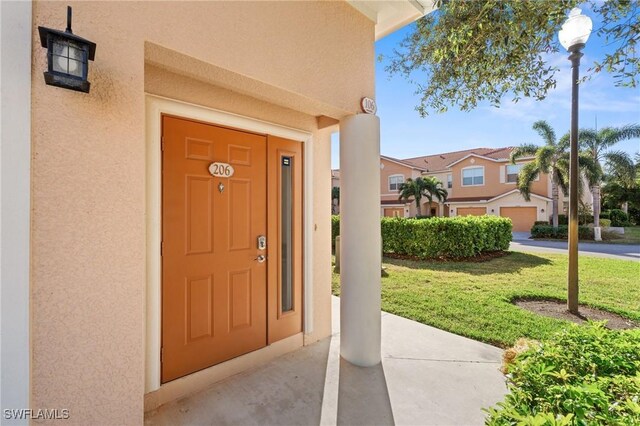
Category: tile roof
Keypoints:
(441, 161)
(404, 162)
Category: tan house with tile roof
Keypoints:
(479, 181)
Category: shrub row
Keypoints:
(585, 375)
(560, 233)
(450, 237)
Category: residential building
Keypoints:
(168, 227)
(479, 181)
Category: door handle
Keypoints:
(261, 258)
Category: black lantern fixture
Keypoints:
(68, 57)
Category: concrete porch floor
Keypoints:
(427, 377)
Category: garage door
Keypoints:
(394, 212)
(523, 218)
(471, 211)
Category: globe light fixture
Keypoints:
(575, 31)
(68, 57)
(573, 36)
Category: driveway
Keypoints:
(521, 242)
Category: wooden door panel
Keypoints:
(213, 290)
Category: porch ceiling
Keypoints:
(391, 15)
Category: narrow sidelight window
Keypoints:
(286, 224)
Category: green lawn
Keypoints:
(631, 236)
(474, 299)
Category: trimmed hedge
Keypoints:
(560, 233)
(450, 237)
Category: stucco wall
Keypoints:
(492, 185)
(88, 168)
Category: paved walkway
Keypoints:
(521, 242)
(427, 377)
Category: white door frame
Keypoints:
(155, 107)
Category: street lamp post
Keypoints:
(573, 36)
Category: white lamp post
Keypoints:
(573, 36)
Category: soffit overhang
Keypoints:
(391, 15)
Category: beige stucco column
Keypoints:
(360, 239)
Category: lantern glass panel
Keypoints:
(67, 58)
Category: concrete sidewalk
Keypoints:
(427, 377)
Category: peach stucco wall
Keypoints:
(392, 168)
(492, 185)
(88, 169)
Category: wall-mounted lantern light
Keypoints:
(541, 210)
(68, 57)
(493, 211)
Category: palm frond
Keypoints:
(524, 150)
(545, 131)
(546, 157)
(612, 135)
(590, 168)
(565, 142)
(587, 140)
(527, 175)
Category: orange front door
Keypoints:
(214, 289)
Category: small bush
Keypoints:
(452, 237)
(584, 375)
(560, 233)
(605, 223)
(541, 222)
(618, 218)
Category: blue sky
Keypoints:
(405, 134)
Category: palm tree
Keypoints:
(433, 188)
(553, 159)
(428, 187)
(412, 189)
(597, 143)
(548, 159)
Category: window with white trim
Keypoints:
(473, 176)
(449, 181)
(512, 172)
(395, 181)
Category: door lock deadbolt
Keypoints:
(262, 242)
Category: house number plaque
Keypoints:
(221, 170)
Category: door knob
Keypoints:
(261, 258)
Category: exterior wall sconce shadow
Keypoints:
(68, 57)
